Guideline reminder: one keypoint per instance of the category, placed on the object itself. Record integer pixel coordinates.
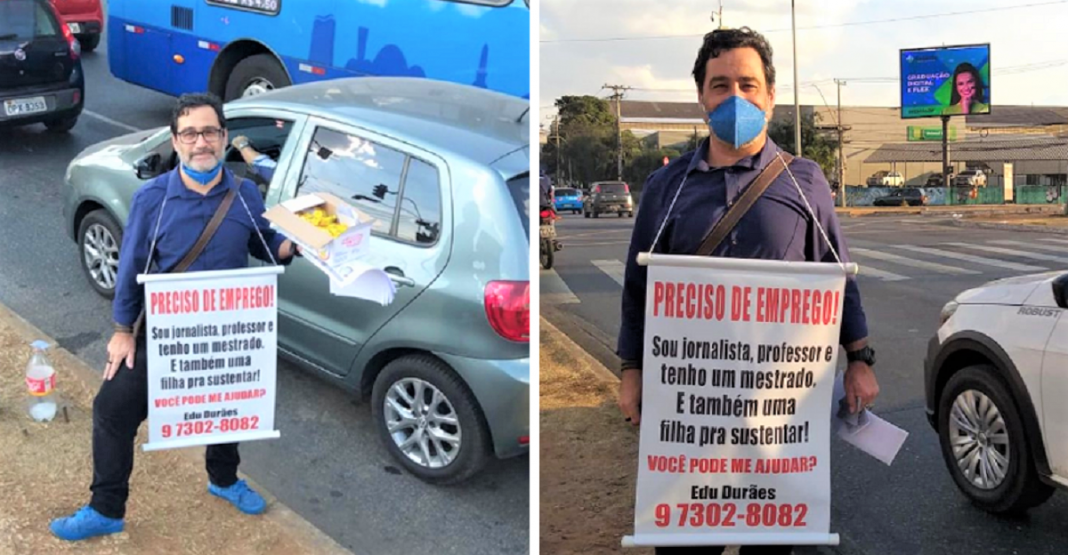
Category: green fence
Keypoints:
(957, 196)
(1040, 194)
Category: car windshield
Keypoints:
(24, 20)
(613, 188)
(566, 192)
(519, 188)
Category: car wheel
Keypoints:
(630, 214)
(585, 213)
(255, 75)
(983, 443)
(99, 240)
(429, 420)
(89, 42)
(596, 214)
(61, 125)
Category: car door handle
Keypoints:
(397, 275)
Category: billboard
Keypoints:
(945, 81)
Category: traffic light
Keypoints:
(380, 191)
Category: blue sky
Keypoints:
(1029, 46)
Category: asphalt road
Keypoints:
(329, 465)
(912, 507)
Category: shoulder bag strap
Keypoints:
(744, 203)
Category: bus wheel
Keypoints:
(255, 75)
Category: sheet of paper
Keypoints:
(362, 281)
(870, 434)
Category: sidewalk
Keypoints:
(45, 471)
(589, 455)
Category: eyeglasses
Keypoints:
(189, 136)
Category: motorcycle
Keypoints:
(548, 242)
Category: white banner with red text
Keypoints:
(737, 383)
(212, 356)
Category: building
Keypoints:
(1033, 140)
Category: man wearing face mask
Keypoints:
(170, 213)
(735, 82)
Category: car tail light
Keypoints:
(524, 440)
(626, 188)
(508, 309)
(75, 46)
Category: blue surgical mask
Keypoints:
(203, 177)
(736, 121)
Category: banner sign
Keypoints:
(212, 356)
(738, 377)
(918, 133)
(945, 81)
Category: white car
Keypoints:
(996, 380)
(886, 179)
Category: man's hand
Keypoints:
(285, 250)
(238, 140)
(121, 349)
(630, 395)
(860, 383)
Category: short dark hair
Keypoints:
(980, 89)
(188, 101)
(722, 40)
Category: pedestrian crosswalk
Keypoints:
(890, 262)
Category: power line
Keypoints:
(830, 26)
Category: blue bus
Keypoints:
(236, 48)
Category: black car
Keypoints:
(904, 197)
(41, 79)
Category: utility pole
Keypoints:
(841, 149)
(717, 17)
(617, 95)
(797, 105)
(556, 132)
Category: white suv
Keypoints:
(996, 380)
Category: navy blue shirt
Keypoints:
(184, 218)
(777, 227)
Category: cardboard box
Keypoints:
(316, 242)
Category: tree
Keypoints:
(816, 146)
(587, 128)
(645, 163)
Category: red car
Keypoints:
(85, 18)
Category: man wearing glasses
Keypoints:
(170, 213)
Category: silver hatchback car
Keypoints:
(444, 169)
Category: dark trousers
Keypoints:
(118, 410)
(716, 550)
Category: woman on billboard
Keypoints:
(968, 92)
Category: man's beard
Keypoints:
(201, 164)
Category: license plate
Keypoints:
(23, 106)
(546, 231)
(75, 27)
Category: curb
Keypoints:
(302, 531)
(1012, 227)
(971, 210)
(578, 354)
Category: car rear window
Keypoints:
(566, 192)
(613, 188)
(22, 20)
(519, 188)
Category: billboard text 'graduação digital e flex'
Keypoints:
(945, 81)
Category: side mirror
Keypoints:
(149, 166)
(1060, 290)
